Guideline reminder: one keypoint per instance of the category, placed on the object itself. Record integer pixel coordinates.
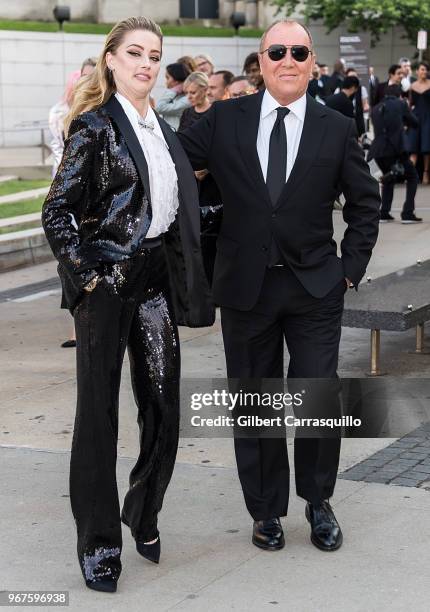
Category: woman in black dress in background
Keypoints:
(419, 138)
(196, 87)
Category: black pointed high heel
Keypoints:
(149, 551)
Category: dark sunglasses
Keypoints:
(299, 53)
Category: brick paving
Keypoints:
(405, 462)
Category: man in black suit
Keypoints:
(389, 149)
(395, 76)
(373, 86)
(342, 101)
(360, 102)
(280, 160)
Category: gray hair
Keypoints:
(205, 57)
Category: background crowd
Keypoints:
(194, 83)
(392, 117)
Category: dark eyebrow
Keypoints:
(143, 48)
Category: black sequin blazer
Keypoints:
(103, 184)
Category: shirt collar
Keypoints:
(128, 107)
(133, 115)
(269, 104)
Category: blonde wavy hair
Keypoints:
(95, 89)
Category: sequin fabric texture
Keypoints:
(129, 309)
(103, 563)
(97, 184)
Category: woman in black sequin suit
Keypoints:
(131, 272)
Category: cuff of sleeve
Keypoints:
(87, 266)
(86, 276)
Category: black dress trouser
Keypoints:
(130, 308)
(411, 178)
(254, 346)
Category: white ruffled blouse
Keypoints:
(163, 180)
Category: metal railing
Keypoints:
(32, 126)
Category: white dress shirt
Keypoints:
(293, 126)
(407, 82)
(163, 180)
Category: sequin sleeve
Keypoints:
(65, 199)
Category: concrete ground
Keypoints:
(208, 562)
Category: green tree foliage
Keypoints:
(374, 16)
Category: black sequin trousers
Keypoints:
(130, 308)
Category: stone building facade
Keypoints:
(258, 12)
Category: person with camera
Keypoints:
(389, 150)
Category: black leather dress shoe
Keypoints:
(268, 534)
(326, 533)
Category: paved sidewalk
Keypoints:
(208, 562)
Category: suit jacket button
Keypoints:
(273, 215)
(264, 248)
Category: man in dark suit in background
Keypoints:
(342, 101)
(389, 149)
(373, 86)
(360, 102)
(280, 160)
(395, 76)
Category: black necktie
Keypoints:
(277, 165)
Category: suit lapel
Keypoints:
(115, 110)
(312, 135)
(183, 168)
(246, 134)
